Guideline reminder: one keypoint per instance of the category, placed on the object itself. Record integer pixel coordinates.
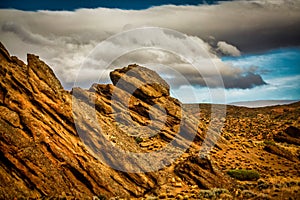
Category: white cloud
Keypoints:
(228, 49)
(25, 35)
(65, 38)
(158, 48)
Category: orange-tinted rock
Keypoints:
(44, 132)
(41, 152)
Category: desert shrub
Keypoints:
(269, 142)
(138, 140)
(101, 197)
(213, 193)
(243, 174)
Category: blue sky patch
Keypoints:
(31, 5)
(280, 68)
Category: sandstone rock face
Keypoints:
(50, 146)
(131, 139)
(147, 82)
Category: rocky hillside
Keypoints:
(131, 139)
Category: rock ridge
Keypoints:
(41, 152)
(70, 145)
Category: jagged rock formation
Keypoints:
(41, 151)
(86, 143)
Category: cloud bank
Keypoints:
(64, 39)
(228, 49)
(250, 25)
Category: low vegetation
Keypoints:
(138, 140)
(269, 142)
(243, 174)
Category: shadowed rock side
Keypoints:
(42, 154)
(89, 142)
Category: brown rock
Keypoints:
(140, 81)
(274, 149)
(293, 131)
(52, 142)
(41, 152)
(199, 171)
(283, 137)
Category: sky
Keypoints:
(208, 51)
(32, 5)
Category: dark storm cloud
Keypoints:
(235, 81)
(246, 81)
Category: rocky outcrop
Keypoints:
(55, 143)
(147, 83)
(275, 149)
(131, 139)
(290, 135)
(41, 154)
(293, 131)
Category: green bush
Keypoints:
(138, 140)
(243, 174)
(102, 197)
(269, 142)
